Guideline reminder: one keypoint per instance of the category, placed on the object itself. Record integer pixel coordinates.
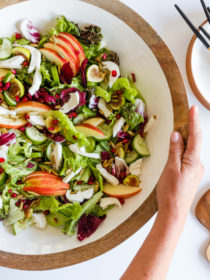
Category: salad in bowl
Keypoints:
(72, 129)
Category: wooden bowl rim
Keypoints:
(190, 75)
(149, 207)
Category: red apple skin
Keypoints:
(121, 191)
(44, 183)
(63, 52)
(15, 126)
(52, 56)
(67, 45)
(90, 127)
(75, 43)
(45, 191)
(33, 104)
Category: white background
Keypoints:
(189, 261)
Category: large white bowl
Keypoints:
(135, 57)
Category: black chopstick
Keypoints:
(204, 32)
(205, 10)
(197, 33)
(208, 8)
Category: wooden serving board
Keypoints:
(149, 207)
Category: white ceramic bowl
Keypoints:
(135, 57)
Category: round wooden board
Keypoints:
(149, 207)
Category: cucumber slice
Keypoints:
(80, 118)
(8, 99)
(131, 157)
(8, 77)
(140, 146)
(49, 151)
(35, 136)
(6, 49)
(92, 84)
(36, 155)
(107, 130)
(3, 178)
(54, 71)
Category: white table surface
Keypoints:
(189, 261)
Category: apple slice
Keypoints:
(76, 44)
(31, 106)
(12, 123)
(90, 131)
(120, 191)
(44, 183)
(95, 121)
(53, 56)
(65, 54)
(67, 45)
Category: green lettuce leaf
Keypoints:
(19, 170)
(48, 203)
(72, 160)
(15, 214)
(98, 211)
(87, 208)
(91, 51)
(64, 25)
(97, 175)
(88, 113)
(103, 93)
(21, 225)
(47, 79)
(130, 115)
(77, 83)
(68, 130)
(130, 93)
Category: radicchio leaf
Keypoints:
(66, 73)
(83, 66)
(142, 125)
(29, 31)
(87, 225)
(93, 102)
(105, 155)
(7, 138)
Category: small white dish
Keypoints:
(198, 68)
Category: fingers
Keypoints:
(194, 139)
(176, 150)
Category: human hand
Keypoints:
(183, 172)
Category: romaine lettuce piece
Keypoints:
(15, 214)
(68, 129)
(19, 170)
(48, 203)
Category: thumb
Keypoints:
(176, 150)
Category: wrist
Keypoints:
(172, 217)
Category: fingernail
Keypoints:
(174, 137)
(196, 109)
